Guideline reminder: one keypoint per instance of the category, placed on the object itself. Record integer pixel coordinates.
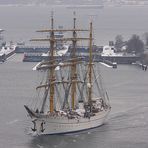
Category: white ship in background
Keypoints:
(6, 50)
(73, 98)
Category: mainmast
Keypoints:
(73, 67)
(90, 66)
(52, 70)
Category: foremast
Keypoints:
(50, 66)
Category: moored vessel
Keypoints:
(6, 50)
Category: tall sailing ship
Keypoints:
(73, 97)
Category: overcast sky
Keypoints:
(51, 1)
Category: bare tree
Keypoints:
(135, 44)
(146, 38)
(118, 42)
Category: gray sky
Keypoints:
(51, 1)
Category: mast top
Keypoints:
(74, 14)
(52, 20)
(52, 13)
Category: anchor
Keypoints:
(42, 127)
(34, 128)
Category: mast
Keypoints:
(90, 66)
(52, 69)
(73, 67)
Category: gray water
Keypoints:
(127, 125)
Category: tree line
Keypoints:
(133, 45)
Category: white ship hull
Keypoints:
(62, 125)
(6, 52)
(73, 97)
